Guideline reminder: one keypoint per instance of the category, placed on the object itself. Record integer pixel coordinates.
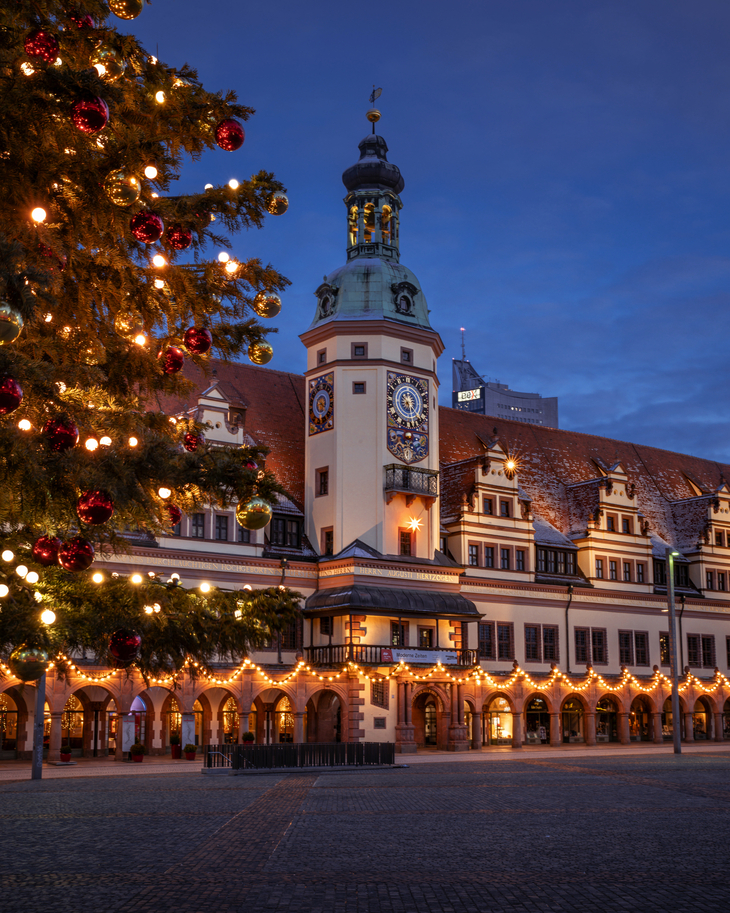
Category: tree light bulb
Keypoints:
(136, 578)
(231, 266)
(3, 590)
(208, 187)
(31, 577)
(159, 283)
(160, 97)
(38, 214)
(148, 610)
(105, 441)
(224, 257)
(157, 607)
(133, 442)
(164, 493)
(7, 555)
(247, 586)
(100, 69)
(27, 69)
(91, 444)
(140, 339)
(233, 184)
(24, 424)
(150, 172)
(21, 570)
(159, 260)
(98, 578)
(48, 617)
(205, 588)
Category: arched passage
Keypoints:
(13, 725)
(572, 718)
(702, 719)
(668, 720)
(429, 720)
(497, 721)
(607, 710)
(324, 717)
(640, 720)
(537, 720)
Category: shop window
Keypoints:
(488, 556)
(599, 646)
(626, 648)
(488, 506)
(221, 528)
(505, 641)
(504, 509)
(486, 641)
(519, 560)
(641, 643)
(197, 526)
(582, 646)
(474, 555)
(504, 559)
(379, 693)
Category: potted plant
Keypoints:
(65, 753)
(175, 749)
(248, 737)
(190, 751)
(137, 752)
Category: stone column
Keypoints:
(405, 742)
(689, 730)
(460, 703)
(54, 746)
(476, 730)
(401, 702)
(623, 729)
(556, 730)
(299, 726)
(589, 721)
(407, 699)
(457, 729)
(516, 730)
(718, 727)
(656, 719)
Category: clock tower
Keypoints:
(372, 388)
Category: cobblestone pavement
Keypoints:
(571, 834)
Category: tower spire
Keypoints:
(373, 114)
(463, 346)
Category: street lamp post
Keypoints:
(676, 719)
(36, 770)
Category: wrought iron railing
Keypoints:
(299, 754)
(411, 480)
(368, 654)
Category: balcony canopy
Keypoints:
(391, 601)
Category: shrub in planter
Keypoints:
(65, 753)
(175, 749)
(190, 751)
(137, 751)
(248, 737)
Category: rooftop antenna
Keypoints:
(373, 114)
(463, 346)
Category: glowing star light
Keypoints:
(414, 524)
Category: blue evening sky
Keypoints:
(567, 168)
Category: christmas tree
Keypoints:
(105, 292)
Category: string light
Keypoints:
(160, 97)
(159, 261)
(150, 172)
(105, 441)
(31, 577)
(4, 590)
(233, 184)
(24, 424)
(7, 555)
(48, 617)
(98, 577)
(133, 442)
(91, 444)
(231, 266)
(141, 339)
(224, 257)
(38, 214)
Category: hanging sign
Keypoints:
(411, 655)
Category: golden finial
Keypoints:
(373, 114)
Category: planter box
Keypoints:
(175, 752)
(190, 755)
(138, 758)
(65, 757)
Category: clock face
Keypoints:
(321, 403)
(407, 417)
(407, 402)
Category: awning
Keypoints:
(381, 600)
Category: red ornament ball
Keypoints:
(41, 45)
(61, 433)
(192, 441)
(229, 134)
(174, 513)
(197, 340)
(11, 395)
(124, 646)
(90, 115)
(178, 237)
(45, 550)
(94, 507)
(250, 465)
(52, 255)
(82, 21)
(172, 359)
(147, 227)
(76, 554)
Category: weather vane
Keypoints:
(373, 114)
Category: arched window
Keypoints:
(385, 224)
(573, 721)
(352, 225)
(369, 221)
(606, 720)
(285, 720)
(8, 727)
(231, 722)
(500, 722)
(72, 724)
(537, 722)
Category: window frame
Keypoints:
(535, 646)
(197, 522)
(320, 475)
(603, 633)
(508, 626)
(221, 524)
(358, 345)
(491, 654)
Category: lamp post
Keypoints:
(676, 719)
(36, 770)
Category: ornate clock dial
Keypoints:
(407, 401)
(321, 403)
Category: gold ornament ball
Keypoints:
(126, 9)
(373, 115)
(110, 63)
(11, 323)
(92, 352)
(267, 304)
(122, 187)
(254, 513)
(28, 663)
(129, 323)
(278, 203)
(260, 353)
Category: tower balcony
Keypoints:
(411, 482)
